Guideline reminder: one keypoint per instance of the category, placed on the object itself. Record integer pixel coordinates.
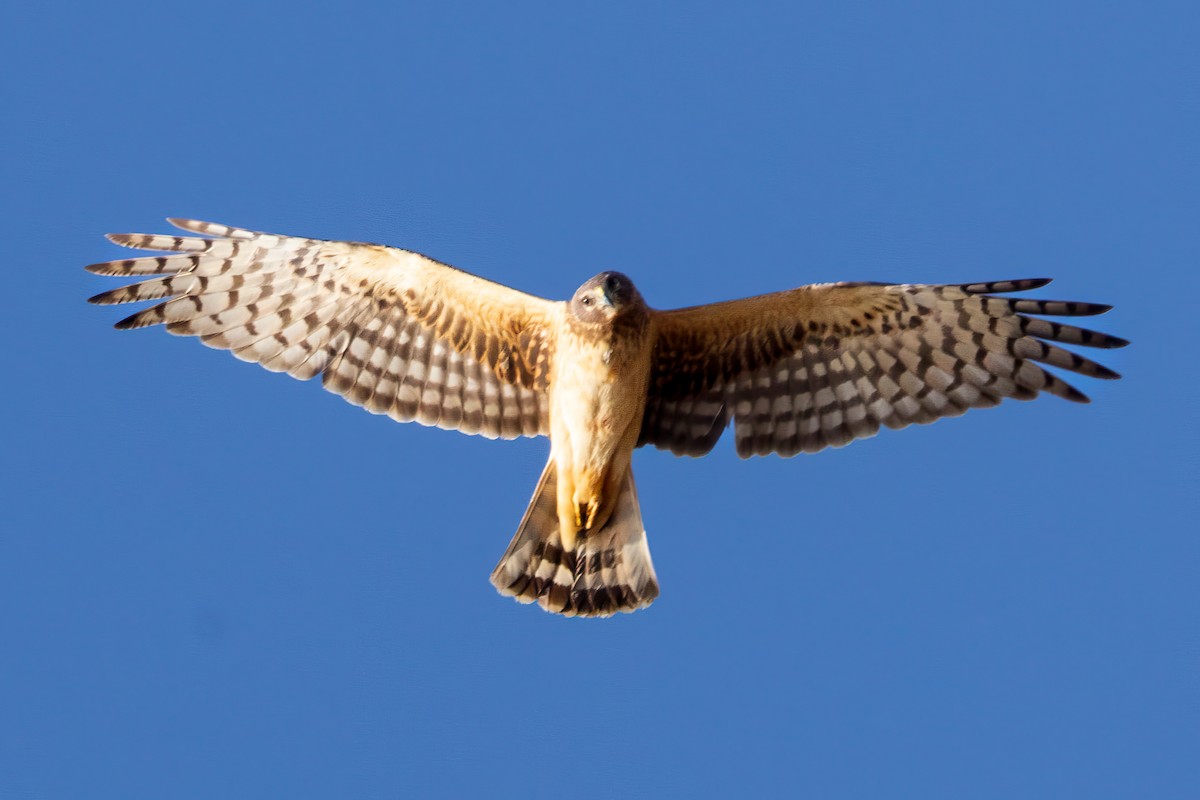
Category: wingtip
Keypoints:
(135, 320)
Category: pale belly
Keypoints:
(593, 409)
(595, 419)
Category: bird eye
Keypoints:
(587, 300)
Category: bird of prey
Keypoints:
(602, 373)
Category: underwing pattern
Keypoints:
(823, 365)
(389, 330)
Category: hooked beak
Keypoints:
(602, 295)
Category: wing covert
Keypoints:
(390, 330)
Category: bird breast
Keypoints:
(599, 393)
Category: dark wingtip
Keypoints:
(129, 323)
(1069, 392)
(1077, 396)
(1004, 287)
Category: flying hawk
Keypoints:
(602, 373)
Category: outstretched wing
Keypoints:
(388, 329)
(823, 365)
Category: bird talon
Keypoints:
(593, 510)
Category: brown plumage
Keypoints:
(602, 373)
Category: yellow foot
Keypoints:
(593, 510)
(586, 514)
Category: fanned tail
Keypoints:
(608, 571)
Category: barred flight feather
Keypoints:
(824, 365)
(390, 330)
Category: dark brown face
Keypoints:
(603, 297)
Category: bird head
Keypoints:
(604, 297)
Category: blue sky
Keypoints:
(218, 582)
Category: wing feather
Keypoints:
(823, 365)
(388, 329)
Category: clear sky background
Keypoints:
(218, 582)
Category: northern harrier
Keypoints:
(601, 374)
